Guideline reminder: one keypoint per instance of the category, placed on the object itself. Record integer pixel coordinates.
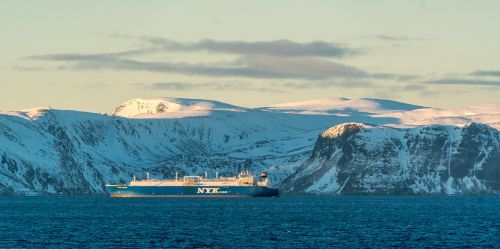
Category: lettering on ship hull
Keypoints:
(211, 191)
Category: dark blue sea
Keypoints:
(285, 222)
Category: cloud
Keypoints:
(279, 48)
(407, 77)
(276, 86)
(421, 89)
(475, 78)
(178, 86)
(113, 62)
(414, 87)
(92, 57)
(392, 38)
(465, 81)
(215, 86)
(312, 68)
(488, 73)
(71, 57)
(327, 84)
(29, 68)
(257, 66)
(280, 59)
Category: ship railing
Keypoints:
(226, 179)
(199, 179)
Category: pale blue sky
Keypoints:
(93, 55)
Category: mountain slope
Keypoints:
(354, 158)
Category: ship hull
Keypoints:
(190, 191)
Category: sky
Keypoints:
(94, 55)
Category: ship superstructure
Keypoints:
(242, 185)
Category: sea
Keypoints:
(279, 222)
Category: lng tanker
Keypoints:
(242, 185)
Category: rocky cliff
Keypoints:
(353, 158)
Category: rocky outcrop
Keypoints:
(356, 159)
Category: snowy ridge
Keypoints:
(31, 113)
(166, 107)
(488, 114)
(342, 106)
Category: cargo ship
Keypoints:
(242, 185)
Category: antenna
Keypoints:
(206, 174)
(216, 175)
(147, 175)
(176, 175)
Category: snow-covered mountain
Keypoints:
(487, 114)
(354, 158)
(343, 106)
(165, 107)
(44, 150)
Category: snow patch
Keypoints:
(327, 183)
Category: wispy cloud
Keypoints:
(279, 59)
(323, 84)
(280, 48)
(414, 87)
(111, 62)
(188, 69)
(312, 68)
(259, 86)
(392, 38)
(475, 78)
(245, 66)
(420, 89)
(465, 81)
(215, 86)
(71, 57)
(487, 73)
(28, 68)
